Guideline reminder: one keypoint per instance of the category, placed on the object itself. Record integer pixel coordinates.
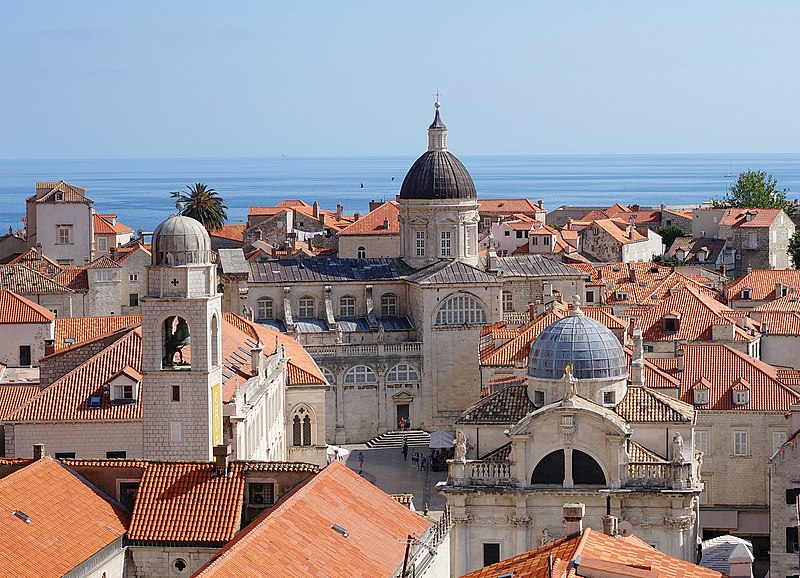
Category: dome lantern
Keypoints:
(181, 240)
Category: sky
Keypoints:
(257, 79)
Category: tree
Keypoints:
(794, 249)
(202, 203)
(669, 233)
(755, 190)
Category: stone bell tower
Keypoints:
(181, 345)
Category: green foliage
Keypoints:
(667, 261)
(669, 233)
(794, 250)
(202, 203)
(757, 190)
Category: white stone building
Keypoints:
(784, 501)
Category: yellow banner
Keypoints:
(216, 413)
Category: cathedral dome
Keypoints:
(181, 241)
(588, 346)
(437, 174)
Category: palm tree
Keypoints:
(202, 203)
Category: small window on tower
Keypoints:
(176, 393)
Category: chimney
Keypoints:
(256, 358)
(540, 203)
(356, 216)
(339, 211)
(221, 454)
(722, 269)
(573, 518)
(49, 346)
(533, 310)
(793, 421)
(315, 210)
(373, 204)
(386, 224)
(38, 252)
(635, 209)
(741, 562)
(610, 525)
(292, 240)
(679, 355)
(637, 363)
(38, 451)
(310, 246)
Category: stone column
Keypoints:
(568, 483)
(459, 553)
(521, 522)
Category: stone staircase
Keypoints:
(394, 439)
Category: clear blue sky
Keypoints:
(204, 79)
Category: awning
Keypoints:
(442, 439)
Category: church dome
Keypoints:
(588, 346)
(181, 241)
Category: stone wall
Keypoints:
(85, 439)
(783, 514)
(375, 246)
(146, 562)
(16, 334)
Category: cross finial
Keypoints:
(437, 94)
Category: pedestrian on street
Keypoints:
(360, 462)
(424, 465)
(405, 450)
(414, 459)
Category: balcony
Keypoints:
(348, 350)
(480, 473)
(653, 475)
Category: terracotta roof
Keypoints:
(277, 543)
(761, 217)
(789, 377)
(38, 262)
(104, 261)
(75, 278)
(617, 229)
(46, 191)
(83, 329)
(16, 309)
(15, 395)
(780, 322)
(230, 232)
(692, 246)
(644, 405)
(123, 253)
(279, 467)
(187, 502)
(762, 283)
(599, 554)
(265, 211)
(108, 225)
(509, 405)
(507, 206)
(373, 222)
(69, 521)
(788, 303)
(723, 367)
(639, 453)
(23, 280)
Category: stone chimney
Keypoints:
(540, 203)
(49, 346)
(356, 216)
(292, 238)
(793, 419)
(339, 211)
(573, 518)
(741, 562)
(221, 455)
(679, 355)
(38, 451)
(373, 204)
(256, 358)
(637, 362)
(315, 210)
(610, 525)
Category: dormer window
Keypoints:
(124, 386)
(748, 216)
(746, 294)
(700, 397)
(59, 196)
(701, 255)
(671, 323)
(741, 397)
(680, 254)
(621, 296)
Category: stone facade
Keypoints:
(784, 497)
(84, 439)
(16, 335)
(373, 246)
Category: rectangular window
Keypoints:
(102, 244)
(741, 443)
(175, 431)
(305, 307)
(133, 299)
(546, 240)
(535, 241)
(778, 438)
(420, 239)
(127, 493)
(64, 261)
(704, 492)
(103, 275)
(701, 440)
(134, 277)
(65, 455)
(590, 296)
(538, 398)
(24, 355)
(446, 244)
(54, 311)
(260, 494)
(791, 539)
(791, 496)
(123, 392)
(64, 234)
(519, 234)
(608, 398)
(491, 553)
(670, 325)
(468, 241)
(507, 233)
(508, 302)
(116, 455)
(176, 393)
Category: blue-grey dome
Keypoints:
(590, 347)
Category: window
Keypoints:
(124, 392)
(180, 565)
(260, 494)
(538, 398)
(590, 296)
(700, 397)
(305, 307)
(115, 455)
(507, 233)
(791, 539)
(102, 244)
(491, 553)
(54, 311)
(508, 301)
(746, 294)
(265, 308)
(778, 439)
(402, 373)
(621, 296)
(791, 495)
(701, 440)
(103, 275)
(59, 196)
(328, 375)
(127, 493)
(64, 261)
(648, 349)
(608, 398)
(468, 241)
(704, 486)
(460, 310)
(389, 305)
(420, 240)
(133, 299)
(741, 397)
(519, 234)
(133, 277)
(175, 431)
(176, 393)
(65, 455)
(545, 240)
(741, 443)
(25, 355)
(362, 253)
(347, 306)
(535, 241)
(671, 324)
(360, 374)
(64, 234)
(445, 245)
(301, 427)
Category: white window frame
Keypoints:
(347, 306)
(359, 374)
(741, 443)
(420, 243)
(306, 305)
(361, 253)
(265, 308)
(702, 438)
(507, 299)
(609, 397)
(103, 276)
(402, 373)
(133, 277)
(778, 439)
(460, 310)
(700, 397)
(741, 397)
(102, 244)
(389, 305)
(64, 234)
(539, 398)
(125, 391)
(446, 243)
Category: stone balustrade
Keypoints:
(481, 473)
(659, 475)
(413, 348)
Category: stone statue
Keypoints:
(546, 537)
(698, 465)
(248, 313)
(677, 449)
(570, 383)
(460, 443)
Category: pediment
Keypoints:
(402, 397)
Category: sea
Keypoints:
(138, 190)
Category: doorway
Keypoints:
(402, 413)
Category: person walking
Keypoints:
(405, 450)
(424, 465)
(360, 462)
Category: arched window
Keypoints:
(402, 373)
(362, 253)
(265, 308)
(460, 310)
(301, 427)
(305, 307)
(347, 306)
(389, 305)
(328, 375)
(360, 374)
(177, 343)
(585, 470)
(215, 358)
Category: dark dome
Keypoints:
(590, 347)
(438, 175)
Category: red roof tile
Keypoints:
(373, 223)
(780, 322)
(16, 309)
(15, 395)
(75, 278)
(277, 543)
(25, 281)
(760, 217)
(762, 283)
(507, 206)
(108, 225)
(83, 329)
(69, 521)
(46, 192)
(230, 232)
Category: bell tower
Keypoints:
(181, 345)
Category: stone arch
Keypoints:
(215, 341)
(460, 308)
(160, 330)
(586, 470)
